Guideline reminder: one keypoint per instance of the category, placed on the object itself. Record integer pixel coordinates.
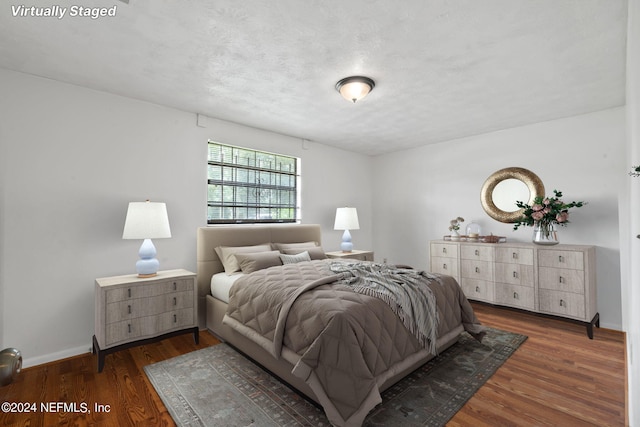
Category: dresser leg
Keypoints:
(100, 353)
(196, 335)
(595, 321)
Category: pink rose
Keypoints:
(537, 207)
(546, 210)
(537, 215)
(546, 201)
(562, 217)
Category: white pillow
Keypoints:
(292, 259)
(304, 245)
(228, 259)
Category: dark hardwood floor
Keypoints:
(558, 377)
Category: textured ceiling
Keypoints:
(444, 69)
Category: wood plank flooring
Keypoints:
(558, 377)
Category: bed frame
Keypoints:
(208, 264)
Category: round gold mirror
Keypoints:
(506, 186)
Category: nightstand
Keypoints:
(131, 311)
(354, 254)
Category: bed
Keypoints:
(347, 386)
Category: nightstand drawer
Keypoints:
(142, 307)
(145, 291)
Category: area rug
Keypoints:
(217, 386)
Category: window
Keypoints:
(249, 186)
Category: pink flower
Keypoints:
(546, 210)
(537, 207)
(537, 216)
(546, 201)
(562, 217)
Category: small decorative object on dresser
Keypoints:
(558, 281)
(454, 226)
(354, 254)
(131, 310)
(474, 231)
(543, 215)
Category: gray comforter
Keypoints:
(347, 343)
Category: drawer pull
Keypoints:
(514, 255)
(477, 252)
(175, 318)
(129, 309)
(175, 286)
(129, 292)
(561, 279)
(477, 288)
(444, 250)
(175, 301)
(515, 295)
(515, 274)
(444, 266)
(560, 258)
(562, 303)
(129, 327)
(477, 269)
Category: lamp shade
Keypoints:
(146, 220)
(346, 219)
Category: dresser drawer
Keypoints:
(562, 303)
(478, 289)
(476, 252)
(515, 296)
(145, 291)
(142, 307)
(446, 250)
(522, 256)
(441, 265)
(561, 279)
(480, 270)
(514, 274)
(561, 259)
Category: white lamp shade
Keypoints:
(346, 219)
(146, 220)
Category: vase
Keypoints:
(455, 235)
(545, 233)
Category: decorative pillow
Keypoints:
(228, 259)
(292, 259)
(314, 253)
(255, 261)
(283, 246)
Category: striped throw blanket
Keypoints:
(406, 291)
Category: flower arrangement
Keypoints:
(455, 224)
(635, 171)
(546, 211)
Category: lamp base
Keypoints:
(346, 244)
(147, 265)
(145, 276)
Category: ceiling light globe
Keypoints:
(355, 88)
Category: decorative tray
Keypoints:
(480, 239)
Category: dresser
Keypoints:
(555, 280)
(354, 254)
(131, 311)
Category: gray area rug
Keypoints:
(217, 386)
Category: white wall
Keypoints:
(418, 191)
(73, 159)
(631, 292)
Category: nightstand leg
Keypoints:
(196, 335)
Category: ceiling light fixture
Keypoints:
(355, 88)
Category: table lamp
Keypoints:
(346, 219)
(146, 220)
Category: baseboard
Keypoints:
(53, 357)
